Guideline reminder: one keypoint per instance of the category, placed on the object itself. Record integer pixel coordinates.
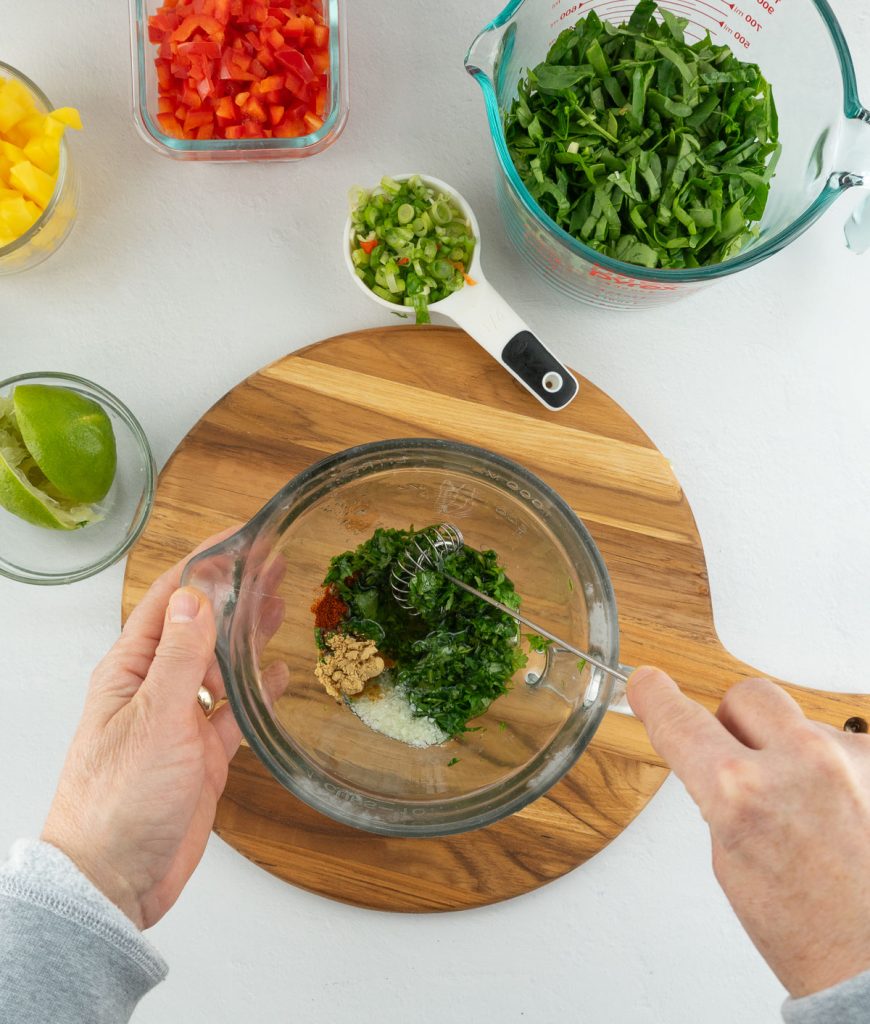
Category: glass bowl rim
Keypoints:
(45, 216)
(246, 701)
(852, 107)
(135, 428)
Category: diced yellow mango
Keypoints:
(11, 111)
(34, 183)
(9, 193)
(17, 136)
(12, 152)
(17, 216)
(53, 128)
(45, 153)
(68, 116)
(16, 91)
(33, 124)
(5, 168)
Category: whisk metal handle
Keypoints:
(538, 629)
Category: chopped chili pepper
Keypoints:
(368, 244)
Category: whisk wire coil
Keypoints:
(426, 551)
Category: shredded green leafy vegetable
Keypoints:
(410, 244)
(538, 643)
(457, 654)
(648, 149)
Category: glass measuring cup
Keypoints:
(482, 313)
(801, 50)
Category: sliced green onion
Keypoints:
(424, 243)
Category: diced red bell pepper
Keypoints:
(225, 108)
(238, 69)
(254, 109)
(291, 58)
(170, 125)
(319, 61)
(198, 22)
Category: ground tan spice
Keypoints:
(350, 664)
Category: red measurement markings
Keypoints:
(622, 11)
(689, 7)
(628, 282)
(748, 19)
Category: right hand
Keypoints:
(788, 805)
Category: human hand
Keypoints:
(137, 795)
(788, 805)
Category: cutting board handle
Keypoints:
(624, 733)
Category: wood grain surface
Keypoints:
(435, 382)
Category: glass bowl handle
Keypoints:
(217, 572)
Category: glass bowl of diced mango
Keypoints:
(38, 188)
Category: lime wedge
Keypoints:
(70, 439)
(26, 493)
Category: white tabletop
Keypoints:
(180, 279)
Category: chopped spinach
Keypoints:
(647, 148)
(457, 654)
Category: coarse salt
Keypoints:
(385, 708)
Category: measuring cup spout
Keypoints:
(855, 155)
(486, 49)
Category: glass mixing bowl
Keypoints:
(823, 127)
(262, 582)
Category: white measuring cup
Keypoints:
(482, 313)
(823, 128)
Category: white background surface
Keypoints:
(179, 280)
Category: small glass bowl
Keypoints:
(33, 554)
(145, 100)
(49, 232)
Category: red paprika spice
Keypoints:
(329, 609)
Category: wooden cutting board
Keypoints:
(409, 381)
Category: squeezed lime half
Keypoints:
(58, 456)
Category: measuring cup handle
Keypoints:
(619, 701)
(483, 313)
(855, 155)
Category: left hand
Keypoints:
(138, 792)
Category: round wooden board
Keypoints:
(409, 381)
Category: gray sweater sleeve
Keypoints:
(67, 954)
(846, 1003)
